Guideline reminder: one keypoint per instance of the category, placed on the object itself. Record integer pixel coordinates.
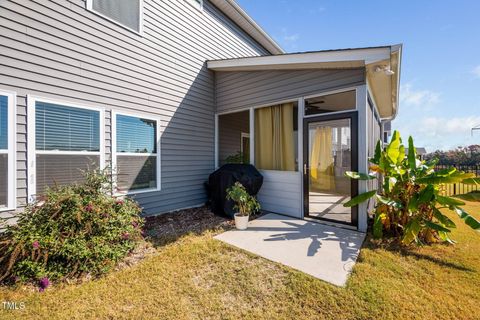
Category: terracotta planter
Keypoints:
(241, 222)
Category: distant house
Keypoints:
(165, 91)
(421, 152)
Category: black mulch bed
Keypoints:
(167, 227)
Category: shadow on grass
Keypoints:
(167, 228)
(396, 247)
(440, 262)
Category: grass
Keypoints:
(197, 277)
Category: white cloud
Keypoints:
(476, 71)
(439, 133)
(418, 98)
(436, 126)
(291, 38)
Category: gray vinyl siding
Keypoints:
(59, 50)
(241, 89)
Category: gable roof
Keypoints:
(232, 10)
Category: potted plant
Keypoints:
(244, 203)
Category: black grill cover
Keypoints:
(225, 177)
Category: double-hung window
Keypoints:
(135, 153)
(7, 151)
(65, 140)
(127, 13)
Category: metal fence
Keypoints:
(459, 188)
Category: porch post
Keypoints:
(216, 142)
(301, 107)
(363, 137)
(252, 135)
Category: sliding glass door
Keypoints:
(330, 150)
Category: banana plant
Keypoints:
(408, 205)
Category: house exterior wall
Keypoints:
(59, 50)
(242, 89)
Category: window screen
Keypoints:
(67, 141)
(136, 135)
(136, 153)
(125, 12)
(3, 151)
(3, 122)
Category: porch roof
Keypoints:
(378, 62)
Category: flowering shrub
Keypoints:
(71, 231)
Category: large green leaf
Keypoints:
(411, 231)
(412, 154)
(443, 219)
(444, 236)
(401, 154)
(393, 148)
(413, 204)
(378, 225)
(426, 194)
(435, 226)
(447, 201)
(378, 153)
(468, 219)
(389, 202)
(474, 181)
(389, 184)
(471, 196)
(442, 177)
(360, 198)
(360, 176)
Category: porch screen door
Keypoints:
(330, 151)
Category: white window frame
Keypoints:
(11, 150)
(140, 18)
(242, 136)
(157, 119)
(32, 152)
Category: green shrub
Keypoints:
(71, 231)
(245, 203)
(238, 158)
(408, 205)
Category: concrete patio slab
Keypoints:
(323, 251)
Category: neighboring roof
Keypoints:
(240, 17)
(420, 151)
(383, 87)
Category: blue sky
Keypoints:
(440, 79)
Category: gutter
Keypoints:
(397, 47)
(239, 16)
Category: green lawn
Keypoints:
(197, 277)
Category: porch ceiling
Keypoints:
(375, 60)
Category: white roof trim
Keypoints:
(336, 58)
(384, 88)
(240, 17)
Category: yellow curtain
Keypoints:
(322, 174)
(274, 139)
